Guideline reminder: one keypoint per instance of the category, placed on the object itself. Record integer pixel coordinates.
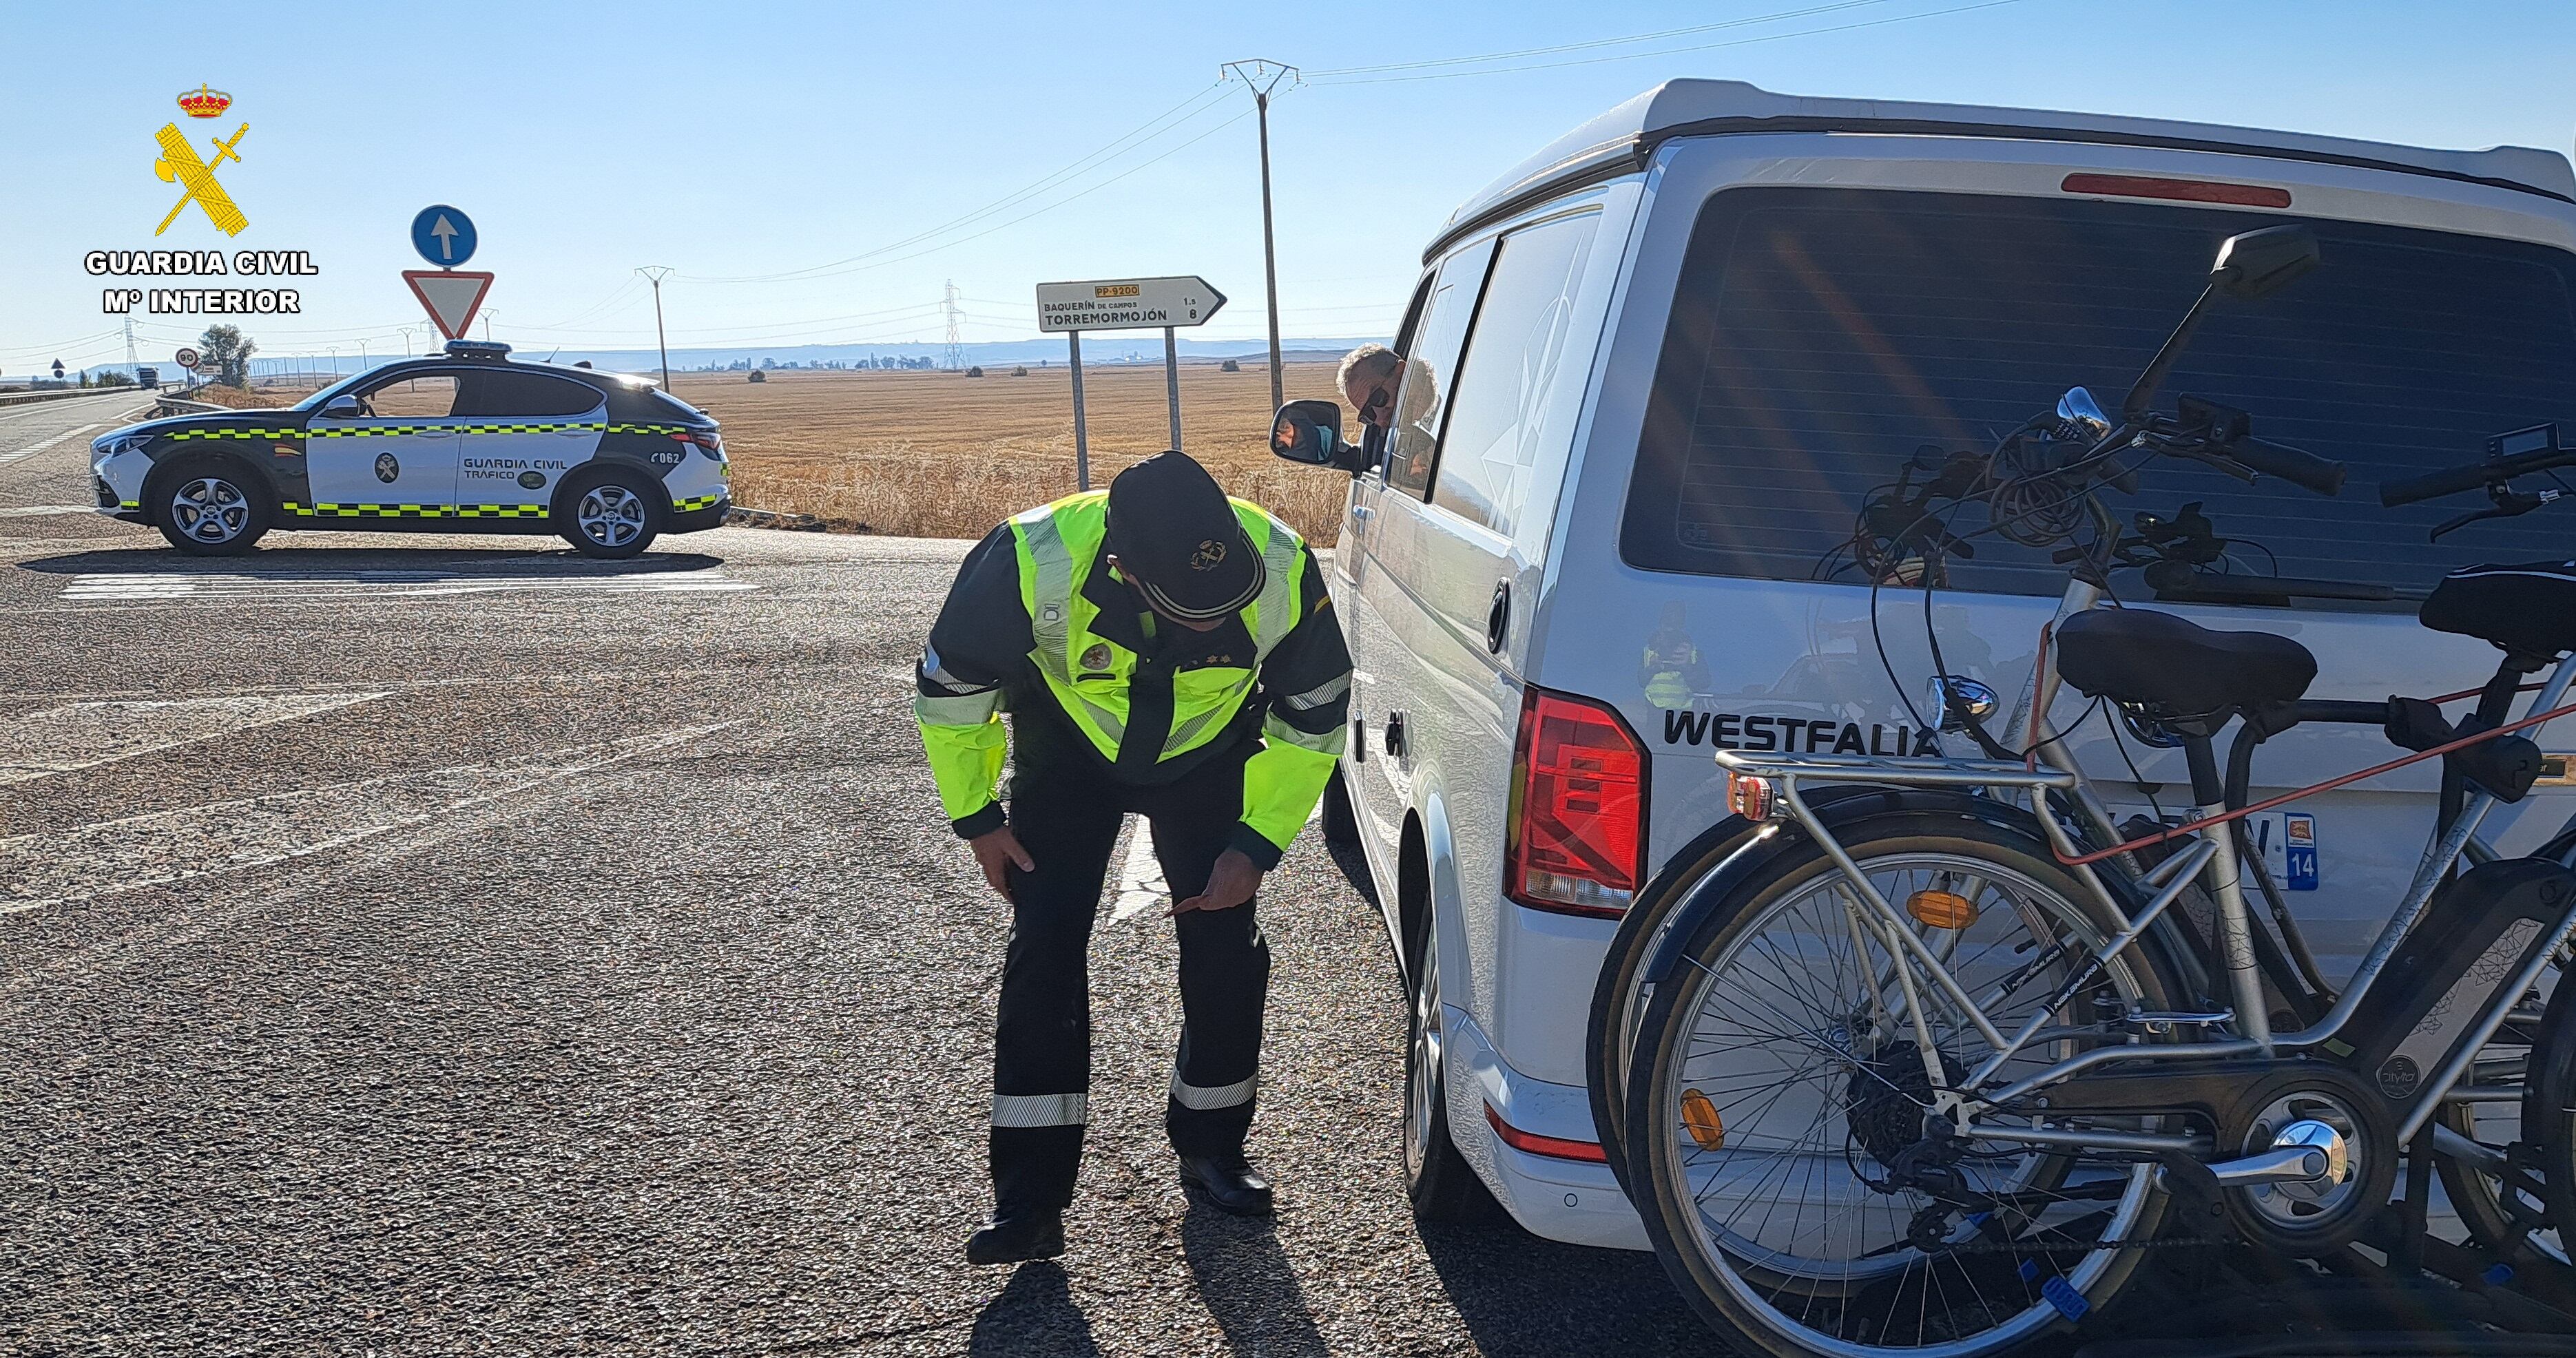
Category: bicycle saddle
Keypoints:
(2160, 661)
(2529, 609)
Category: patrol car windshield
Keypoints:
(320, 398)
(1820, 337)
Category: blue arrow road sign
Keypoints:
(443, 235)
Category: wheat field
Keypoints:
(940, 454)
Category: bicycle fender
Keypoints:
(1680, 930)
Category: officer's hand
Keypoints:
(1230, 883)
(994, 851)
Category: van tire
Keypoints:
(610, 515)
(208, 505)
(1341, 820)
(1443, 1186)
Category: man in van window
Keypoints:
(1368, 379)
(1166, 650)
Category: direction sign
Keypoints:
(443, 235)
(1126, 304)
(187, 358)
(451, 297)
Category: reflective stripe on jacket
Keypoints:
(1037, 616)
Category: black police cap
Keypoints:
(1176, 536)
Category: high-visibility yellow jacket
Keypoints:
(1037, 624)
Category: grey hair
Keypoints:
(1367, 362)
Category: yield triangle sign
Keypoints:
(451, 297)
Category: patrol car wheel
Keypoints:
(613, 516)
(208, 508)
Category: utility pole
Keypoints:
(955, 356)
(1263, 77)
(131, 359)
(656, 273)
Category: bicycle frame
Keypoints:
(2210, 858)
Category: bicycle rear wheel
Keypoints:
(1777, 1106)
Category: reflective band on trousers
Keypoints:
(1205, 1097)
(1041, 1110)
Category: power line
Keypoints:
(1323, 78)
(1161, 123)
(1599, 42)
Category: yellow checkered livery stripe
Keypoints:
(393, 430)
(697, 502)
(338, 511)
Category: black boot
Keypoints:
(1230, 1182)
(1015, 1239)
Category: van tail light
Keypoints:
(1578, 813)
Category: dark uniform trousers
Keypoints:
(1066, 813)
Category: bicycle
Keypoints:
(1952, 1006)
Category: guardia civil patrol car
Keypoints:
(467, 441)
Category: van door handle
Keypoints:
(1395, 734)
(1362, 513)
(1498, 622)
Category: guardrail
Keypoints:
(172, 405)
(22, 398)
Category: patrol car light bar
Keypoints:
(1576, 834)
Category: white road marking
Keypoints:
(33, 511)
(87, 734)
(32, 409)
(1140, 878)
(24, 453)
(254, 832)
(127, 586)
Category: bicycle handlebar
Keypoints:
(2470, 476)
(2297, 466)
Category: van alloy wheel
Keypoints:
(1422, 1071)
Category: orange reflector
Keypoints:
(1700, 1116)
(2179, 190)
(1748, 796)
(1942, 909)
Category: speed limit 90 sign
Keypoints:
(187, 358)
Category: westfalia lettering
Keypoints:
(1795, 735)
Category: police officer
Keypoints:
(1165, 650)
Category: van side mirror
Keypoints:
(1311, 432)
(341, 408)
(2259, 263)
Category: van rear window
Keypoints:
(1820, 337)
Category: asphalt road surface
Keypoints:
(417, 944)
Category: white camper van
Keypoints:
(1655, 379)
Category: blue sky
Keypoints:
(749, 141)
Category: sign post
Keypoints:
(1124, 304)
(1081, 439)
